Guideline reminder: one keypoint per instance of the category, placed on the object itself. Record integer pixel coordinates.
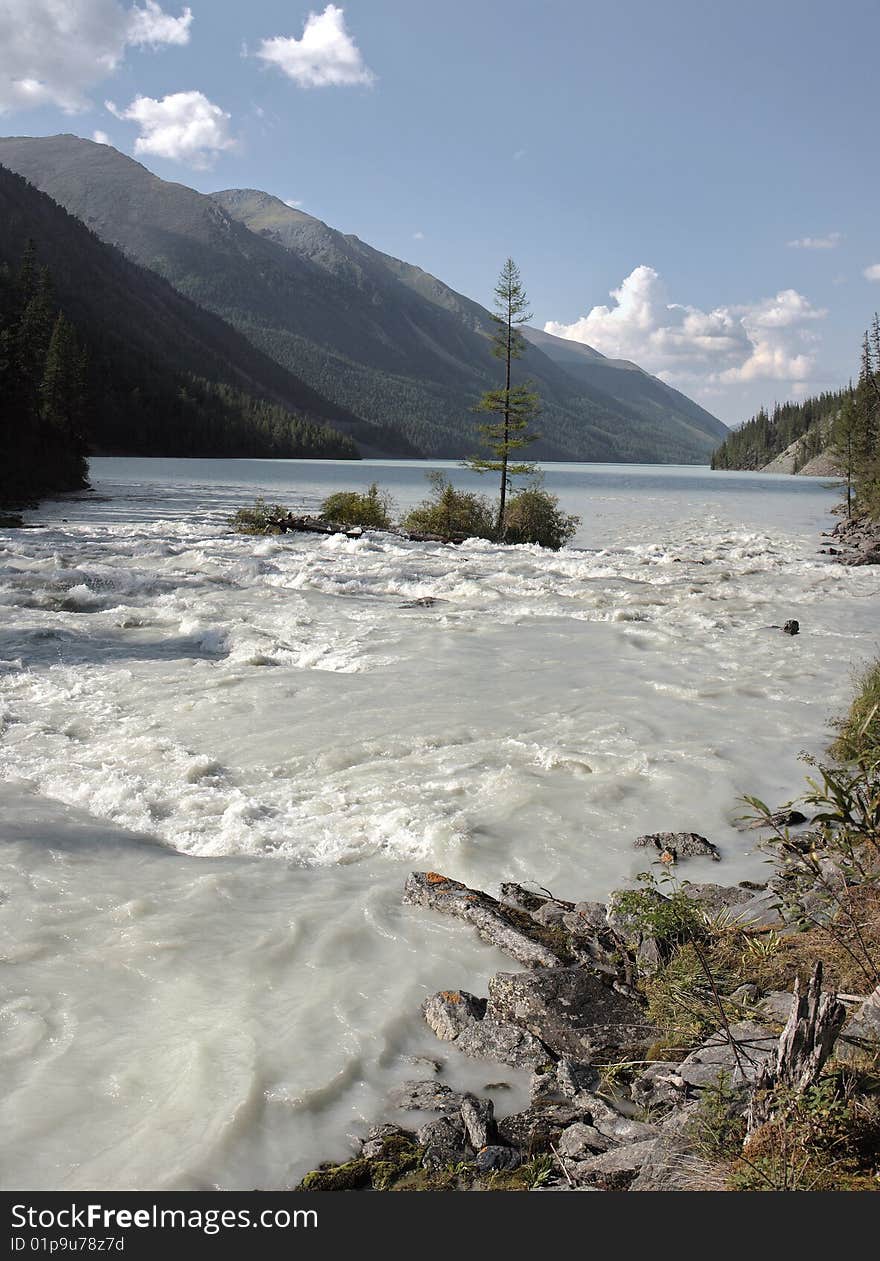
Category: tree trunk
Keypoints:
(807, 1040)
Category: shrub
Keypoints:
(258, 520)
(370, 510)
(534, 516)
(859, 738)
(448, 512)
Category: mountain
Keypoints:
(376, 336)
(792, 438)
(165, 376)
(630, 386)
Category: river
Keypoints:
(220, 756)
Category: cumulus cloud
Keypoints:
(292, 203)
(829, 242)
(325, 56)
(873, 272)
(100, 137)
(772, 339)
(185, 127)
(52, 52)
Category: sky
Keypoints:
(690, 185)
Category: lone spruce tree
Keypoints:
(514, 406)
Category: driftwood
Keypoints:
(813, 1024)
(289, 524)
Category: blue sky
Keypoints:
(713, 166)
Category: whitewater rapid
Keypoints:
(220, 755)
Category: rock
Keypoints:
(570, 1010)
(521, 899)
(614, 1170)
(862, 1031)
(761, 911)
(791, 627)
(493, 1158)
(716, 898)
(497, 923)
(575, 1079)
(672, 1164)
(580, 1142)
(478, 1116)
(377, 1137)
(551, 914)
(503, 1042)
(586, 919)
(659, 1086)
(444, 1141)
(630, 930)
(787, 817)
(425, 1062)
(679, 844)
(716, 1058)
(746, 995)
(544, 1085)
(776, 1005)
(537, 1127)
(425, 1096)
(450, 1011)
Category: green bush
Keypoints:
(371, 510)
(859, 738)
(258, 520)
(448, 512)
(534, 516)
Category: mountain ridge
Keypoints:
(378, 337)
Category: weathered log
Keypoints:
(807, 1040)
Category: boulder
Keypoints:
(425, 1096)
(659, 1086)
(537, 1127)
(791, 627)
(672, 1164)
(494, 1158)
(679, 845)
(510, 930)
(478, 1116)
(776, 1006)
(716, 898)
(614, 1170)
(717, 1059)
(451, 1011)
(571, 1010)
(445, 1142)
(786, 817)
(581, 1141)
(503, 1042)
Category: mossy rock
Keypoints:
(349, 1176)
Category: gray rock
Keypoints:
(574, 1079)
(425, 1096)
(581, 1141)
(494, 1158)
(717, 1059)
(537, 1127)
(628, 927)
(502, 1042)
(791, 627)
(716, 898)
(679, 844)
(444, 1141)
(672, 1164)
(544, 1085)
(374, 1144)
(746, 995)
(496, 923)
(862, 1031)
(450, 1011)
(659, 1086)
(776, 1006)
(787, 817)
(520, 898)
(551, 914)
(614, 1170)
(570, 1010)
(478, 1116)
(760, 911)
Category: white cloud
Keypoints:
(325, 56)
(152, 26)
(873, 272)
(294, 205)
(185, 127)
(418, 236)
(100, 137)
(52, 52)
(829, 242)
(772, 339)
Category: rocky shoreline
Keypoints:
(574, 1015)
(855, 541)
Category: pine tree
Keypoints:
(515, 406)
(844, 433)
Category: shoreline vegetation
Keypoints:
(684, 1035)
